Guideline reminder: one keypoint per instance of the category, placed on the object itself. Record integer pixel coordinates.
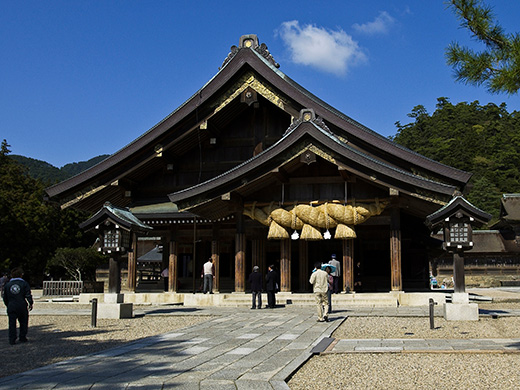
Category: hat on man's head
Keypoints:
(256, 268)
(333, 256)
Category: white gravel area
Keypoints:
(405, 371)
(419, 327)
(409, 372)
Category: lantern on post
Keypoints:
(116, 227)
(457, 220)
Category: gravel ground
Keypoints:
(412, 370)
(409, 372)
(54, 338)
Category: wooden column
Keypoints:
(348, 265)
(459, 284)
(240, 254)
(215, 255)
(304, 264)
(258, 255)
(173, 270)
(132, 265)
(285, 265)
(114, 275)
(395, 250)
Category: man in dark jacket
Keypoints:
(256, 287)
(18, 300)
(272, 285)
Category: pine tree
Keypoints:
(498, 65)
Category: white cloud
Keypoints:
(326, 50)
(380, 25)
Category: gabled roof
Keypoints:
(456, 205)
(510, 208)
(182, 123)
(305, 134)
(122, 217)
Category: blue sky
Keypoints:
(84, 78)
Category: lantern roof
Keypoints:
(117, 215)
(457, 205)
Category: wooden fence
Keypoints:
(62, 288)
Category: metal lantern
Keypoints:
(114, 238)
(116, 227)
(457, 219)
(458, 232)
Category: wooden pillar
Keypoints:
(459, 284)
(215, 255)
(395, 250)
(285, 265)
(304, 264)
(258, 255)
(173, 270)
(240, 254)
(132, 266)
(114, 275)
(348, 265)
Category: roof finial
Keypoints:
(250, 41)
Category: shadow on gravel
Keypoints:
(49, 343)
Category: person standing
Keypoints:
(272, 284)
(164, 276)
(336, 273)
(208, 273)
(319, 281)
(3, 280)
(330, 286)
(18, 300)
(255, 278)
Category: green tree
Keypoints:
(31, 229)
(78, 263)
(484, 140)
(498, 65)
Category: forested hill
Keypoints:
(49, 174)
(484, 140)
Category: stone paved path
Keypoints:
(239, 349)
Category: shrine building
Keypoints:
(253, 169)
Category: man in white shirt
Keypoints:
(320, 285)
(208, 273)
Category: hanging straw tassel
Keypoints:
(310, 234)
(276, 232)
(344, 232)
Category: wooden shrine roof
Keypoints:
(312, 135)
(251, 66)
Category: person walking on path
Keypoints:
(330, 285)
(336, 274)
(255, 278)
(208, 274)
(320, 284)
(18, 300)
(272, 285)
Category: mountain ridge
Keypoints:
(49, 174)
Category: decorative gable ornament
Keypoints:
(308, 115)
(250, 41)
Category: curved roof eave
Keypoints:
(288, 86)
(361, 131)
(323, 138)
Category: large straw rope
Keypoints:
(325, 216)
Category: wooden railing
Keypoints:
(62, 287)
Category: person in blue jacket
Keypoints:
(18, 300)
